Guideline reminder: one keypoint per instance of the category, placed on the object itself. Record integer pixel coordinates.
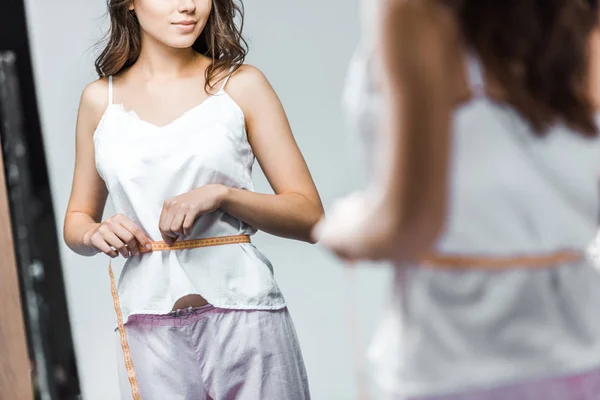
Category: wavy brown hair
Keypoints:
(538, 50)
(221, 40)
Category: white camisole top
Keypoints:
(143, 165)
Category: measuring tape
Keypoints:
(158, 246)
(502, 262)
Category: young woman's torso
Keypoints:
(157, 141)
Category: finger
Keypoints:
(162, 220)
(114, 241)
(142, 239)
(127, 238)
(177, 223)
(168, 237)
(188, 223)
(99, 243)
(166, 219)
(132, 246)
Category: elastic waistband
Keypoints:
(174, 318)
(186, 316)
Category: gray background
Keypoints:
(303, 47)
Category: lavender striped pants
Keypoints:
(215, 354)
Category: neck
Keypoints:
(158, 61)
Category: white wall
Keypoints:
(303, 48)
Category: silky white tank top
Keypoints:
(143, 165)
(511, 193)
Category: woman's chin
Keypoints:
(181, 42)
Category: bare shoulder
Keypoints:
(95, 94)
(94, 101)
(428, 19)
(247, 82)
(418, 33)
(428, 14)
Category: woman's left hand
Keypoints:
(358, 227)
(179, 213)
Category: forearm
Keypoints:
(290, 215)
(77, 230)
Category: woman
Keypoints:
(485, 198)
(170, 131)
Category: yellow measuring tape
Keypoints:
(159, 246)
(490, 262)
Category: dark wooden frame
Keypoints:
(15, 381)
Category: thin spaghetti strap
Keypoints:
(226, 79)
(110, 90)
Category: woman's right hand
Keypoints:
(117, 235)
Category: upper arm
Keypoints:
(594, 68)
(417, 46)
(89, 193)
(270, 134)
